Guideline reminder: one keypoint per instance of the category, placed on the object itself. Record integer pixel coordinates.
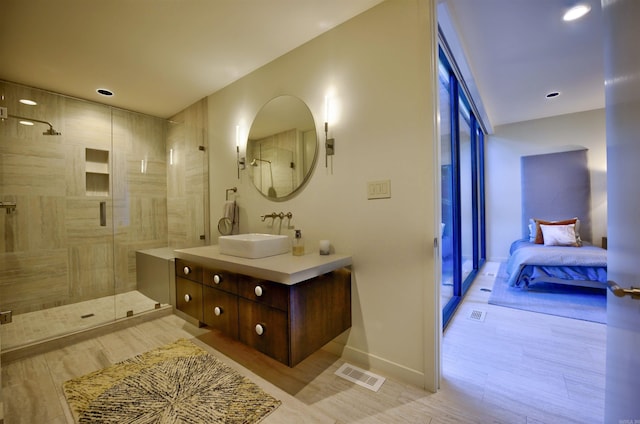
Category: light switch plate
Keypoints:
(4, 114)
(379, 189)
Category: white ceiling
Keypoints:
(160, 56)
(520, 50)
(157, 56)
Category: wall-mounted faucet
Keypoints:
(280, 215)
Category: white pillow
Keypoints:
(559, 235)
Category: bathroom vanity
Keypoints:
(284, 306)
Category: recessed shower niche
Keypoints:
(97, 172)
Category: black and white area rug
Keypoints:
(176, 383)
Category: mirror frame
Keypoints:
(264, 125)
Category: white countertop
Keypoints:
(285, 268)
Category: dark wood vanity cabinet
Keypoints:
(220, 301)
(265, 329)
(220, 310)
(189, 288)
(285, 322)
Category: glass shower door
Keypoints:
(56, 256)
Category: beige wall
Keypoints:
(380, 67)
(548, 135)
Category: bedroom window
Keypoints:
(462, 190)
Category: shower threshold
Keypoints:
(35, 330)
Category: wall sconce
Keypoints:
(240, 162)
(329, 143)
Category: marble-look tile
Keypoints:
(29, 393)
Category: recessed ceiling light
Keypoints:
(576, 12)
(553, 94)
(104, 92)
(28, 102)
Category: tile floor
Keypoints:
(513, 367)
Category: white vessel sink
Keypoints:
(253, 245)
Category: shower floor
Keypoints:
(37, 326)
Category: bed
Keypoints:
(556, 204)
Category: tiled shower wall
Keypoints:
(53, 250)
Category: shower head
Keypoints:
(50, 131)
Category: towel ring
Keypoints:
(225, 226)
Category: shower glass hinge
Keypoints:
(6, 317)
(201, 148)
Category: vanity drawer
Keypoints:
(264, 292)
(189, 297)
(221, 311)
(223, 280)
(265, 329)
(188, 270)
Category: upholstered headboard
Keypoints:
(556, 186)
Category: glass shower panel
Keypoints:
(187, 156)
(56, 259)
(139, 207)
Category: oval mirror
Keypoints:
(282, 147)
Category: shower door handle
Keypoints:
(103, 214)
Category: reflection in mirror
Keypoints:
(282, 147)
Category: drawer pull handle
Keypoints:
(258, 291)
(186, 270)
(217, 310)
(217, 278)
(259, 329)
(187, 297)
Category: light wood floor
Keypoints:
(513, 367)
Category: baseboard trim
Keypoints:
(380, 365)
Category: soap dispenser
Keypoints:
(298, 244)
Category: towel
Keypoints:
(229, 210)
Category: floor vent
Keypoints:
(361, 377)
(484, 289)
(477, 315)
(86, 316)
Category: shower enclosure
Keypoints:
(76, 207)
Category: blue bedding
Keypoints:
(530, 263)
